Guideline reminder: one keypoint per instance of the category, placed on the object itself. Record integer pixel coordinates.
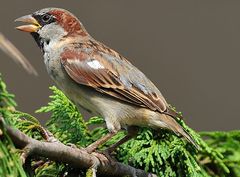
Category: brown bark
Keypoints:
(75, 157)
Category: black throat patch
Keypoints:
(38, 40)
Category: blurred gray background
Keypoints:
(189, 49)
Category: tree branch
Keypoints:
(75, 157)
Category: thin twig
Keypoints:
(7, 47)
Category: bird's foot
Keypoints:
(104, 157)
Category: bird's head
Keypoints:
(51, 24)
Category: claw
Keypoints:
(104, 157)
(92, 171)
(25, 153)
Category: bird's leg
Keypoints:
(132, 131)
(92, 147)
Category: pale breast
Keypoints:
(116, 112)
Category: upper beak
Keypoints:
(33, 24)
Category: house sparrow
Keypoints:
(98, 78)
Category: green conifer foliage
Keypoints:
(68, 125)
(160, 152)
(10, 165)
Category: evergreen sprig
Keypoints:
(10, 165)
(66, 123)
(160, 152)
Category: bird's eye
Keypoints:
(46, 18)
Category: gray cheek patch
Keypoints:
(52, 32)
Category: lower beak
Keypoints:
(33, 26)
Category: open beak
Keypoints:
(33, 24)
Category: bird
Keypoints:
(98, 78)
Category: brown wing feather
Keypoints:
(108, 72)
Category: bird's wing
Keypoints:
(106, 71)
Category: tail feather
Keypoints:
(173, 125)
(189, 138)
